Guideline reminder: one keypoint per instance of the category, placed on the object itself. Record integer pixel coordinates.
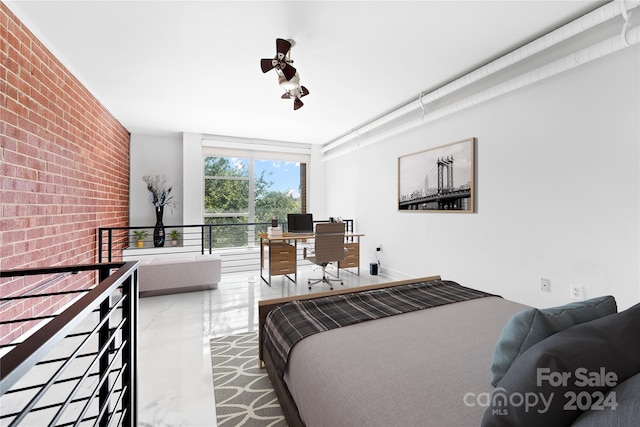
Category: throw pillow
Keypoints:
(528, 327)
(558, 378)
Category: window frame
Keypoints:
(256, 150)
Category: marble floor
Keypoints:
(175, 378)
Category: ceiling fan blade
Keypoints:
(266, 65)
(303, 91)
(288, 71)
(286, 96)
(297, 104)
(282, 46)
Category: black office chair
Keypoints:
(328, 248)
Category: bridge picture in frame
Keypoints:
(440, 179)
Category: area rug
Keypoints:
(244, 395)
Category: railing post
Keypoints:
(103, 338)
(99, 245)
(210, 239)
(110, 244)
(130, 353)
(202, 239)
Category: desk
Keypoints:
(283, 254)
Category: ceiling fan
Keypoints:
(288, 76)
(296, 94)
(281, 62)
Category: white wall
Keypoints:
(316, 190)
(154, 155)
(193, 167)
(558, 191)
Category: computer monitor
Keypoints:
(300, 223)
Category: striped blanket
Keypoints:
(291, 322)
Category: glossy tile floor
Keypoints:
(176, 385)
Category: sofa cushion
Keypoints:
(528, 327)
(581, 361)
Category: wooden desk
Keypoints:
(283, 254)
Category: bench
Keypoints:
(172, 275)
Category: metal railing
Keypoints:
(229, 240)
(198, 238)
(77, 367)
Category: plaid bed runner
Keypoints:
(291, 322)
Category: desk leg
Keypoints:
(358, 241)
(295, 260)
(268, 282)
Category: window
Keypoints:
(277, 189)
(241, 191)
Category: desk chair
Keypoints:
(328, 248)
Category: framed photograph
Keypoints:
(441, 179)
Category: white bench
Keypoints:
(184, 274)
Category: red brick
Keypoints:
(65, 165)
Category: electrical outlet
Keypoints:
(545, 284)
(577, 292)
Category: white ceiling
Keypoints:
(193, 66)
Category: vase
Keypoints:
(158, 230)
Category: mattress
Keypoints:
(425, 368)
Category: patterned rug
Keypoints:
(243, 392)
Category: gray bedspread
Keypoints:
(289, 323)
(424, 368)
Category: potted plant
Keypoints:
(140, 236)
(174, 235)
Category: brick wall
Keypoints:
(64, 167)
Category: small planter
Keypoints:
(140, 236)
(174, 235)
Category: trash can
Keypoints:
(373, 268)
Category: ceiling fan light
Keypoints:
(289, 84)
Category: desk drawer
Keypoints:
(282, 253)
(348, 264)
(278, 269)
(282, 259)
(352, 259)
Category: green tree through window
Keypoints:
(240, 191)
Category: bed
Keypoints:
(435, 342)
(426, 366)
